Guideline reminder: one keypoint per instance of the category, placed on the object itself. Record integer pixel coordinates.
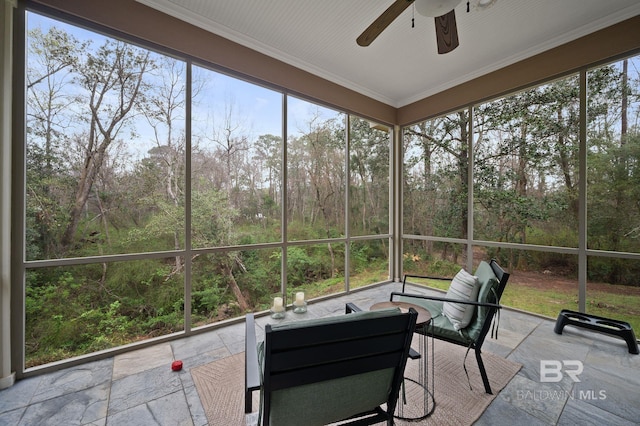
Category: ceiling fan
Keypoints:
(443, 12)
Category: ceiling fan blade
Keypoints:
(383, 21)
(446, 32)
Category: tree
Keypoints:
(526, 166)
(269, 153)
(369, 176)
(166, 116)
(440, 162)
(614, 214)
(113, 80)
(52, 59)
(231, 142)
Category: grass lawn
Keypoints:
(614, 304)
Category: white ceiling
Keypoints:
(402, 65)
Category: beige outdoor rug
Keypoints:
(220, 385)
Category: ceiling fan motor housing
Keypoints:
(434, 8)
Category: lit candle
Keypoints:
(299, 299)
(277, 305)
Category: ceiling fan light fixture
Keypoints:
(435, 8)
(483, 4)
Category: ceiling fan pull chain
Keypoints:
(413, 17)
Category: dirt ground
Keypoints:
(549, 280)
(556, 280)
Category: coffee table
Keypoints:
(422, 323)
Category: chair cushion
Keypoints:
(440, 325)
(307, 404)
(464, 286)
(487, 294)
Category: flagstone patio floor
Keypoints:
(139, 387)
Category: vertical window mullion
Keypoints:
(347, 206)
(283, 194)
(187, 200)
(470, 199)
(582, 190)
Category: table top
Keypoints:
(424, 316)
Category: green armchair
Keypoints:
(492, 280)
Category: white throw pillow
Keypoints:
(464, 286)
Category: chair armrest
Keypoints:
(252, 366)
(351, 307)
(445, 299)
(404, 279)
(427, 277)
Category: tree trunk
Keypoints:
(93, 162)
(244, 305)
(333, 260)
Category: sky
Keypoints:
(257, 110)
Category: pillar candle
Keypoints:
(277, 304)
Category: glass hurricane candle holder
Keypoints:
(277, 310)
(299, 304)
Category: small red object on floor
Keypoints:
(176, 365)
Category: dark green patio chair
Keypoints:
(326, 370)
(492, 280)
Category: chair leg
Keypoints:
(483, 372)
(248, 403)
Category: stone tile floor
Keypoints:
(139, 388)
